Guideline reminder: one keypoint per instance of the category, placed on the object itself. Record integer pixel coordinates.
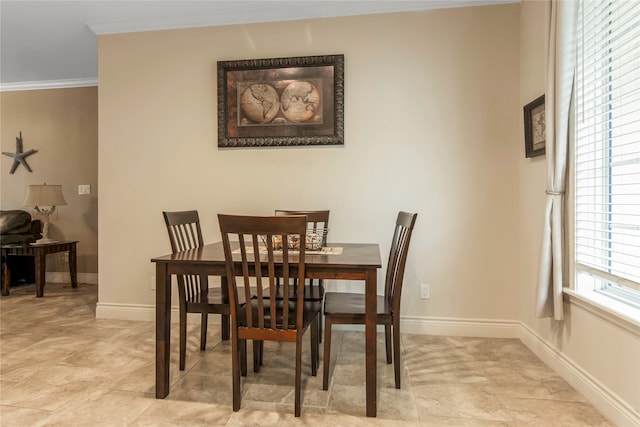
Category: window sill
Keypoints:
(618, 313)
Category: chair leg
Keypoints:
(396, 349)
(235, 373)
(256, 355)
(203, 331)
(225, 327)
(243, 357)
(298, 374)
(183, 336)
(261, 352)
(327, 353)
(314, 347)
(387, 341)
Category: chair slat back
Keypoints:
(316, 220)
(184, 230)
(248, 240)
(185, 234)
(398, 258)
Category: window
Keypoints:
(607, 149)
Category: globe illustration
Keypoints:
(259, 103)
(300, 101)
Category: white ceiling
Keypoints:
(55, 42)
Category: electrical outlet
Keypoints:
(65, 257)
(153, 283)
(424, 291)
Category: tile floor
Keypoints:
(59, 366)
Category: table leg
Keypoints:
(371, 339)
(73, 266)
(6, 277)
(163, 329)
(41, 269)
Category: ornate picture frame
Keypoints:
(534, 128)
(281, 102)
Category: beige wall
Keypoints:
(62, 124)
(599, 357)
(431, 126)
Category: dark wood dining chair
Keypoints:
(317, 222)
(267, 318)
(194, 294)
(349, 308)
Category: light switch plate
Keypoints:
(84, 189)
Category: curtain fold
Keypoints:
(561, 19)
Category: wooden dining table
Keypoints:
(357, 261)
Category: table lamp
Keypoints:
(44, 198)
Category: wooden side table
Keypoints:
(40, 252)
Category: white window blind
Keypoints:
(607, 147)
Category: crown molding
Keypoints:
(48, 84)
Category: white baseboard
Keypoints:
(459, 327)
(65, 277)
(607, 402)
(126, 311)
(144, 312)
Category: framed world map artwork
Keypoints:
(281, 101)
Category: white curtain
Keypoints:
(561, 19)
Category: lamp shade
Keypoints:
(44, 195)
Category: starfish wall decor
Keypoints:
(20, 157)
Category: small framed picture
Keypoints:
(534, 128)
